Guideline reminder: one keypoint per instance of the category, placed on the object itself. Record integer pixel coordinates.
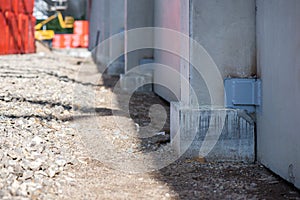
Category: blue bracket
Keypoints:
(242, 93)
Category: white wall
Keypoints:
(278, 119)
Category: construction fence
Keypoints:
(17, 27)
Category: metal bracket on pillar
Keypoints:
(243, 93)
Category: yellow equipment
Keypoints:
(49, 34)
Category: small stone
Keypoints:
(51, 171)
(12, 154)
(35, 165)
(27, 175)
(47, 111)
(201, 160)
(253, 184)
(40, 172)
(23, 190)
(36, 141)
(66, 112)
(14, 187)
(61, 162)
(1, 156)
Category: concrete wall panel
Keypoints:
(226, 29)
(170, 14)
(278, 39)
(139, 13)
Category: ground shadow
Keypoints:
(197, 179)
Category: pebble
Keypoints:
(35, 165)
(34, 142)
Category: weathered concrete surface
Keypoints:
(116, 26)
(130, 82)
(138, 14)
(232, 142)
(278, 39)
(226, 29)
(98, 16)
(170, 14)
(106, 20)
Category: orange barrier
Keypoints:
(70, 41)
(57, 41)
(17, 26)
(31, 40)
(81, 27)
(76, 40)
(13, 33)
(67, 40)
(84, 41)
(22, 6)
(26, 27)
(4, 34)
(5, 5)
(62, 41)
(23, 24)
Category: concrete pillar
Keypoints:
(226, 30)
(139, 13)
(116, 26)
(168, 14)
(278, 39)
(99, 18)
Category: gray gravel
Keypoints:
(42, 155)
(37, 146)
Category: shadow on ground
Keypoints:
(197, 179)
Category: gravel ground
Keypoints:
(57, 142)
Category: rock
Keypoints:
(40, 172)
(61, 162)
(47, 111)
(27, 175)
(23, 190)
(14, 187)
(52, 171)
(12, 154)
(36, 141)
(35, 165)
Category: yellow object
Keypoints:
(67, 23)
(44, 34)
(49, 34)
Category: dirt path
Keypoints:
(65, 134)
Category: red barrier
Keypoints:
(13, 32)
(22, 6)
(26, 41)
(31, 39)
(17, 30)
(4, 34)
(5, 5)
(23, 24)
